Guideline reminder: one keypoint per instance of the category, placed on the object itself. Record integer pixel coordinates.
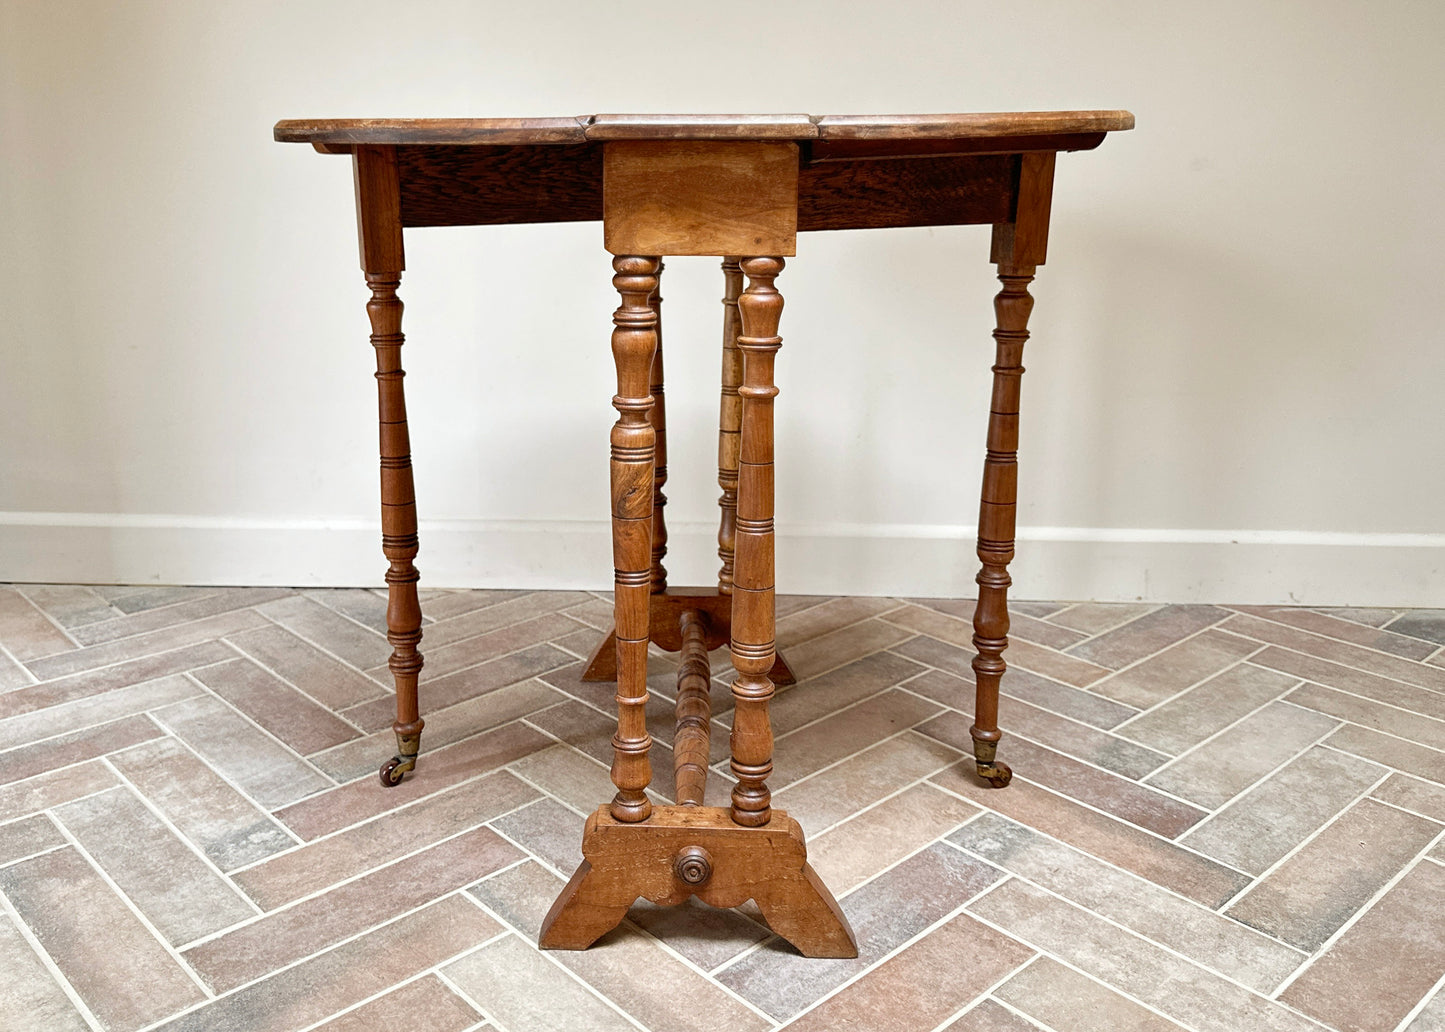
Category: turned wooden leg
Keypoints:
(634, 343)
(382, 260)
(658, 418)
(753, 623)
(1018, 247)
(729, 425)
(692, 733)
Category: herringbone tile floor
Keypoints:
(1223, 818)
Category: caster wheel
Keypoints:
(997, 774)
(392, 772)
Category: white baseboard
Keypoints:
(1106, 564)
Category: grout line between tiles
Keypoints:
(51, 621)
(332, 710)
(1029, 1019)
(1402, 809)
(1359, 914)
(1425, 717)
(942, 1026)
(1332, 638)
(18, 666)
(1350, 666)
(1189, 688)
(47, 962)
(1404, 1025)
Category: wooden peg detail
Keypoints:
(634, 343)
(378, 216)
(658, 418)
(729, 425)
(692, 734)
(687, 851)
(760, 307)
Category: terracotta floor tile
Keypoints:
(1431, 1018)
(1188, 719)
(838, 736)
(862, 780)
(362, 605)
(286, 936)
(571, 776)
(29, 760)
(705, 935)
(829, 616)
(424, 1004)
(1169, 672)
(1356, 682)
(436, 771)
(1355, 614)
(174, 888)
(29, 997)
(1193, 876)
(959, 633)
(1223, 767)
(1307, 898)
(1063, 998)
(1276, 815)
(787, 605)
(302, 724)
(829, 651)
(345, 639)
(1185, 992)
(13, 675)
(1402, 934)
(1374, 715)
(325, 679)
(26, 631)
(171, 616)
(1427, 624)
(53, 788)
(1405, 756)
(885, 913)
(122, 675)
(69, 717)
(137, 599)
(327, 861)
(501, 614)
(1098, 617)
(527, 992)
(443, 605)
(864, 845)
(1059, 733)
(819, 696)
(117, 967)
(164, 640)
(549, 831)
(439, 693)
(222, 823)
(1413, 794)
(991, 1016)
(1338, 652)
(1193, 930)
(362, 756)
(1344, 630)
(340, 978)
(69, 605)
(262, 767)
(468, 652)
(958, 961)
(1147, 635)
(27, 837)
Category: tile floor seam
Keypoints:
(319, 648)
(1150, 609)
(1193, 903)
(942, 1026)
(1035, 1022)
(1304, 842)
(170, 825)
(1330, 637)
(446, 980)
(362, 1003)
(725, 989)
(1421, 1004)
(25, 589)
(1155, 608)
(857, 752)
(31, 856)
(1203, 743)
(543, 861)
(215, 592)
(1194, 964)
(48, 963)
(247, 657)
(1306, 683)
(52, 621)
(1403, 809)
(851, 706)
(424, 648)
(548, 794)
(472, 666)
(1144, 659)
(875, 804)
(1340, 932)
(1388, 734)
(7, 654)
(588, 986)
(1348, 666)
(247, 718)
(108, 666)
(136, 911)
(1103, 813)
(1220, 672)
(98, 723)
(349, 619)
(899, 948)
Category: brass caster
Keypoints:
(393, 769)
(996, 774)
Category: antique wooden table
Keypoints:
(739, 187)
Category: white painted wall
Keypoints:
(1234, 381)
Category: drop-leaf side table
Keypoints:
(738, 187)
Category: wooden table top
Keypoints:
(595, 128)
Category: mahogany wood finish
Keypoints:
(712, 185)
(378, 205)
(687, 851)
